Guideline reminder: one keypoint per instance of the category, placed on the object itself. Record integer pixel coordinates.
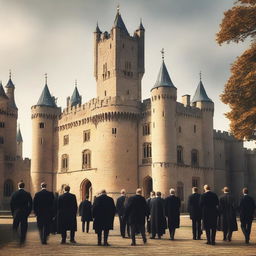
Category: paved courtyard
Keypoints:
(86, 243)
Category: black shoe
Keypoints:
(213, 243)
(208, 242)
(152, 237)
(44, 242)
(133, 244)
(224, 239)
(72, 241)
(106, 244)
(62, 242)
(144, 240)
(159, 237)
(194, 238)
(99, 243)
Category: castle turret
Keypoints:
(44, 117)
(11, 121)
(203, 102)
(76, 98)
(163, 114)
(119, 61)
(19, 141)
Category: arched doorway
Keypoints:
(147, 186)
(86, 189)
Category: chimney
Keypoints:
(186, 100)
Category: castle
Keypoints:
(116, 140)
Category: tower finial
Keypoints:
(76, 82)
(118, 8)
(45, 76)
(162, 51)
(10, 73)
(200, 75)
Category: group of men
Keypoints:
(214, 213)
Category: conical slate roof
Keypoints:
(18, 136)
(163, 78)
(97, 30)
(119, 23)
(200, 94)
(75, 98)
(141, 27)
(2, 92)
(10, 84)
(46, 99)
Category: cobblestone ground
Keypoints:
(86, 243)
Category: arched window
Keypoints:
(179, 154)
(8, 188)
(180, 191)
(64, 162)
(194, 157)
(86, 159)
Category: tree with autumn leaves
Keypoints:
(238, 24)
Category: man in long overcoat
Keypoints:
(152, 195)
(246, 208)
(43, 209)
(195, 213)
(172, 212)
(227, 212)
(209, 203)
(85, 211)
(21, 206)
(157, 216)
(103, 213)
(120, 209)
(67, 210)
(136, 211)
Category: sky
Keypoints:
(56, 37)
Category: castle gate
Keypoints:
(86, 189)
(147, 186)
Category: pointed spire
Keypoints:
(10, 83)
(46, 99)
(75, 98)
(141, 27)
(97, 30)
(19, 136)
(200, 94)
(2, 92)
(163, 78)
(119, 23)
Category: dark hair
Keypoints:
(21, 184)
(245, 190)
(43, 185)
(67, 188)
(87, 196)
(158, 193)
(195, 189)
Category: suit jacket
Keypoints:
(194, 208)
(21, 203)
(43, 206)
(246, 208)
(172, 211)
(120, 207)
(103, 212)
(136, 210)
(209, 203)
(85, 210)
(67, 209)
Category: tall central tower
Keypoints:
(119, 61)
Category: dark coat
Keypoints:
(85, 210)
(120, 205)
(227, 212)
(172, 211)
(209, 203)
(21, 203)
(246, 208)
(157, 219)
(67, 209)
(136, 210)
(194, 208)
(103, 213)
(43, 206)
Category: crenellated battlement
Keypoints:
(188, 111)
(224, 135)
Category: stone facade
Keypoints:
(117, 141)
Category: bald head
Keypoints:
(123, 192)
(207, 188)
(172, 191)
(226, 190)
(103, 192)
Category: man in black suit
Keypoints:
(67, 209)
(246, 207)
(195, 213)
(43, 209)
(103, 213)
(85, 211)
(227, 212)
(157, 216)
(209, 203)
(120, 209)
(172, 212)
(135, 213)
(152, 195)
(21, 206)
